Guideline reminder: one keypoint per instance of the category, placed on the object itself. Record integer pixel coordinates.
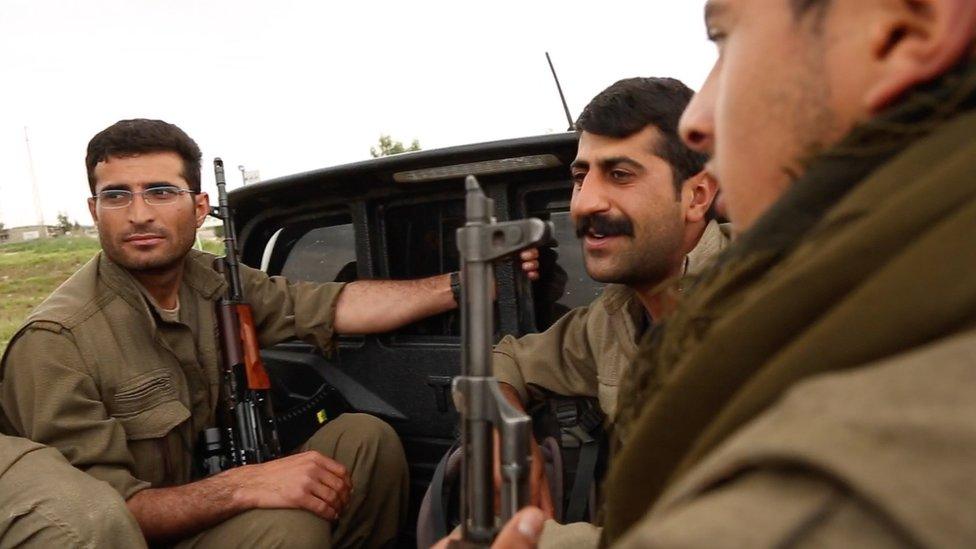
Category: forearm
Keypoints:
(168, 514)
(512, 395)
(375, 306)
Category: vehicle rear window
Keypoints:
(319, 253)
(421, 242)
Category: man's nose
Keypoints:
(697, 125)
(139, 211)
(590, 197)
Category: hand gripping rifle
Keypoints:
(246, 431)
(479, 399)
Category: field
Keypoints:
(29, 271)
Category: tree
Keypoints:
(64, 224)
(388, 146)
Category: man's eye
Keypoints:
(619, 174)
(163, 192)
(115, 195)
(578, 178)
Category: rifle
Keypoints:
(246, 431)
(480, 402)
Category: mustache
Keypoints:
(605, 225)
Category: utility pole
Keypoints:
(38, 211)
(243, 177)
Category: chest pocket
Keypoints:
(150, 412)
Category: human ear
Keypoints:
(93, 209)
(698, 192)
(201, 203)
(916, 41)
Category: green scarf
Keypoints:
(870, 253)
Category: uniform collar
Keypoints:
(713, 241)
(198, 276)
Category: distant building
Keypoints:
(29, 232)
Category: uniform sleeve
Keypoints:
(284, 310)
(559, 359)
(49, 397)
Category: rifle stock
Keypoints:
(480, 401)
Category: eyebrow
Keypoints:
(127, 187)
(607, 163)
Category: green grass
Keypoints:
(29, 271)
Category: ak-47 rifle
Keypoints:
(246, 431)
(479, 399)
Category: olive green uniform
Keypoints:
(589, 349)
(872, 458)
(45, 502)
(843, 321)
(122, 388)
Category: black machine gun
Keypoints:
(246, 431)
(480, 242)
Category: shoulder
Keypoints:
(894, 433)
(199, 273)
(714, 240)
(73, 301)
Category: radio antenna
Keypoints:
(569, 117)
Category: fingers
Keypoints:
(319, 507)
(330, 464)
(332, 470)
(522, 532)
(453, 536)
(530, 263)
(545, 501)
(334, 501)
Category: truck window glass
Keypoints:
(563, 282)
(420, 242)
(320, 254)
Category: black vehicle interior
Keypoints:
(404, 377)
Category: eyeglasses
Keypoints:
(155, 196)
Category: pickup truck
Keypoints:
(395, 218)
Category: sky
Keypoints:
(287, 86)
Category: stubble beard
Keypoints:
(647, 262)
(164, 261)
(814, 122)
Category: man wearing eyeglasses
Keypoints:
(118, 369)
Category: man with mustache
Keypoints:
(641, 205)
(817, 387)
(118, 368)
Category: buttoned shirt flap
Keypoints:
(147, 405)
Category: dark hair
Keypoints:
(631, 105)
(140, 136)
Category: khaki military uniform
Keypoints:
(589, 349)
(122, 388)
(879, 457)
(45, 502)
